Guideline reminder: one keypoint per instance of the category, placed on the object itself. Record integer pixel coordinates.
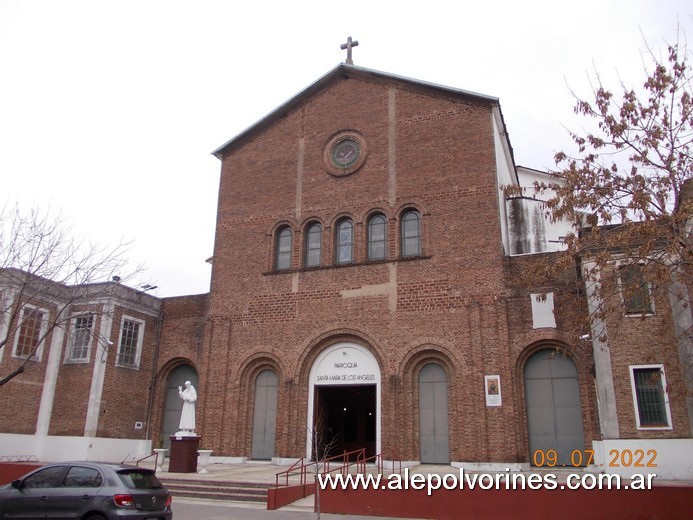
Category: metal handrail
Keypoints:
(156, 459)
(287, 473)
(300, 466)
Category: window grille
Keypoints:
(649, 393)
(29, 332)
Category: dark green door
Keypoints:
(433, 415)
(264, 415)
(554, 413)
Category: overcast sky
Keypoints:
(109, 110)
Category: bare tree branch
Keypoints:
(628, 196)
(45, 273)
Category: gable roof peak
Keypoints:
(345, 71)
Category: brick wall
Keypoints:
(461, 303)
(537, 274)
(74, 383)
(124, 399)
(22, 394)
(446, 306)
(646, 340)
(182, 342)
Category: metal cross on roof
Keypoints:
(348, 46)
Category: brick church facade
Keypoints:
(368, 281)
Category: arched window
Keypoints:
(377, 237)
(313, 241)
(283, 249)
(411, 233)
(344, 242)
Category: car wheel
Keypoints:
(94, 516)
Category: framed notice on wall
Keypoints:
(492, 389)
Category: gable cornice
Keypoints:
(341, 72)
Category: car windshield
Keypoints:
(138, 479)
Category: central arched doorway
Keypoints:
(344, 402)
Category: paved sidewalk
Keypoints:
(192, 509)
(263, 472)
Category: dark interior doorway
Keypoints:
(345, 418)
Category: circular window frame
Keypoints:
(333, 143)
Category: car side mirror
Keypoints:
(17, 484)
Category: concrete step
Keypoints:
(217, 490)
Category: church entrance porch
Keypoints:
(345, 419)
(344, 401)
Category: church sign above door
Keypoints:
(345, 364)
(344, 153)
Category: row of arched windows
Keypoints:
(376, 241)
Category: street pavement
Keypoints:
(193, 509)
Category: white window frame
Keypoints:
(4, 296)
(71, 344)
(42, 331)
(140, 340)
(632, 369)
(619, 266)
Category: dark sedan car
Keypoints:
(86, 491)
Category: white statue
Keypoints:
(187, 416)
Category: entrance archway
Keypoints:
(554, 412)
(174, 404)
(344, 402)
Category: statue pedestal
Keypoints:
(183, 455)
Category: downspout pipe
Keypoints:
(154, 377)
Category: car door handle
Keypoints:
(44, 498)
(86, 497)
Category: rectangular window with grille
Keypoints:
(130, 344)
(81, 337)
(650, 397)
(31, 328)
